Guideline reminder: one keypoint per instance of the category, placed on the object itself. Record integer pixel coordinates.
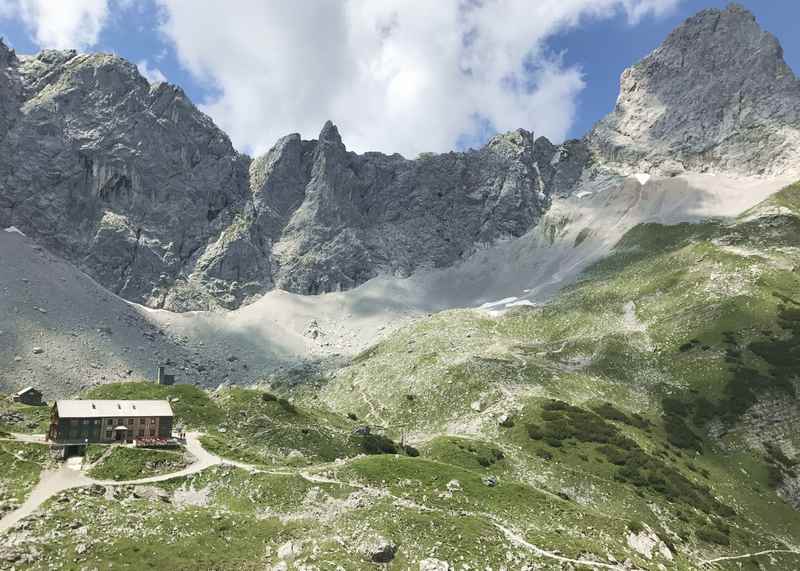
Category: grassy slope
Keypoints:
(261, 428)
(34, 419)
(687, 326)
(665, 330)
(20, 466)
(124, 463)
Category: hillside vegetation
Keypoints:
(645, 418)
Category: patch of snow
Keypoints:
(583, 194)
(14, 230)
(643, 178)
(526, 302)
(504, 301)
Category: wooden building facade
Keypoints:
(108, 421)
(28, 395)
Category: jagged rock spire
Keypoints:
(330, 134)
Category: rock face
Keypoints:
(134, 185)
(137, 187)
(127, 180)
(358, 215)
(716, 96)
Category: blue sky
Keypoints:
(280, 69)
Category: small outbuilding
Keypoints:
(28, 395)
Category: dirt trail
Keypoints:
(52, 482)
(69, 475)
(510, 535)
(748, 556)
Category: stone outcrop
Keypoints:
(127, 180)
(360, 215)
(133, 184)
(717, 95)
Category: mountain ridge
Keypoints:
(152, 200)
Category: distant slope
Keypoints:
(691, 333)
(291, 337)
(61, 331)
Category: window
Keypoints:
(130, 422)
(141, 432)
(73, 421)
(109, 421)
(85, 421)
(108, 434)
(142, 421)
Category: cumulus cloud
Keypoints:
(638, 9)
(59, 24)
(395, 75)
(7, 9)
(151, 74)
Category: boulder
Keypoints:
(152, 493)
(432, 564)
(378, 549)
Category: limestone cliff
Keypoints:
(717, 95)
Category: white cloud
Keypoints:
(638, 9)
(7, 9)
(151, 74)
(395, 75)
(59, 23)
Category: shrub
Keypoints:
(544, 454)
(378, 444)
(534, 431)
(268, 397)
(610, 412)
(287, 406)
(410, 451)
(712, 535)
(352, 416)
(635, 526)
(679, 434)
(774, 476)
(776, 455)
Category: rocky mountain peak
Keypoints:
(716, 95)
(330, 134)
(139, 188)
(6, 53)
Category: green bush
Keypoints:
(712, 535)
(534, 431)
(411, 451)
(378, 444)
(679, 434)
(635, 526)
(287, 406)
(610, 412)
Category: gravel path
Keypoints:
(69, 475)
(51, 482)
